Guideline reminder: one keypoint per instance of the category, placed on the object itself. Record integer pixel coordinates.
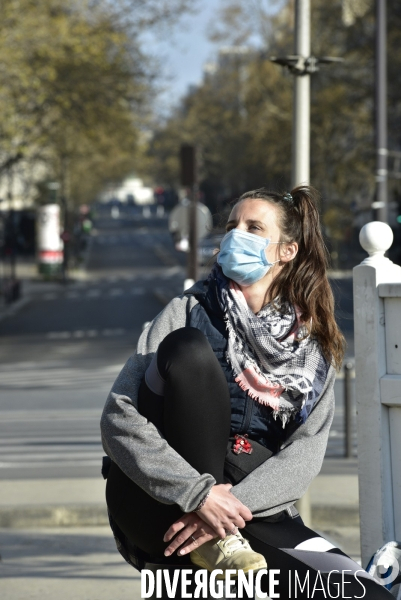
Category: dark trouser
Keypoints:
(194, 415)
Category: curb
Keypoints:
(9, 310)
(335, 516)
(340, 274)
(165, 256)
(14, 308)
(29, 517)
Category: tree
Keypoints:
(76, 88)
(240, 117)
(248, 144)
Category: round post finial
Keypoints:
(376, 237)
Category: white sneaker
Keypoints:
(232, 552)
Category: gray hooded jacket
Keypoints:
(141, 451)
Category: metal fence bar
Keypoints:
(348, 409)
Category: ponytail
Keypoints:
(303, 281)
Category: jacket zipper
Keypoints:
(248, 414)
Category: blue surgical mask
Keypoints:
(242, 256)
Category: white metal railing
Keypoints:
(377, 320)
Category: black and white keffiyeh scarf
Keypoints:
(271, 355)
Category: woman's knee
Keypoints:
(188, 347)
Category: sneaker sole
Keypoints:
(199, 562)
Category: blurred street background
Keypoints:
(62, 350)
(101, 105)
(62, 346)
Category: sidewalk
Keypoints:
(55, 540)
(80, 502)
(72, 563)
(334, 498)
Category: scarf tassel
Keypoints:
(285, 414)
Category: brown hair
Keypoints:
(303, 281)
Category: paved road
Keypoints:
(60, 354)
(64, 564)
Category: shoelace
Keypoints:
(235, 543)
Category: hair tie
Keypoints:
(287, 196)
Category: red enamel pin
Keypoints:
(242, 444)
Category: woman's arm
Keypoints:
(285, 477)
(133, 442)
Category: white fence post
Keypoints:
(378, 453)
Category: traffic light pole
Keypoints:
(193, 235)
(189, 178)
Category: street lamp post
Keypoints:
(301, 106)
(380, 204)
(302, 65)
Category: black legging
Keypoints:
(194, 416)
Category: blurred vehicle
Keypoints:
(130, 191)
(143, 195)
(208, 248)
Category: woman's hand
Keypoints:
(223, 511)
(221, 514)
(192, 532)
